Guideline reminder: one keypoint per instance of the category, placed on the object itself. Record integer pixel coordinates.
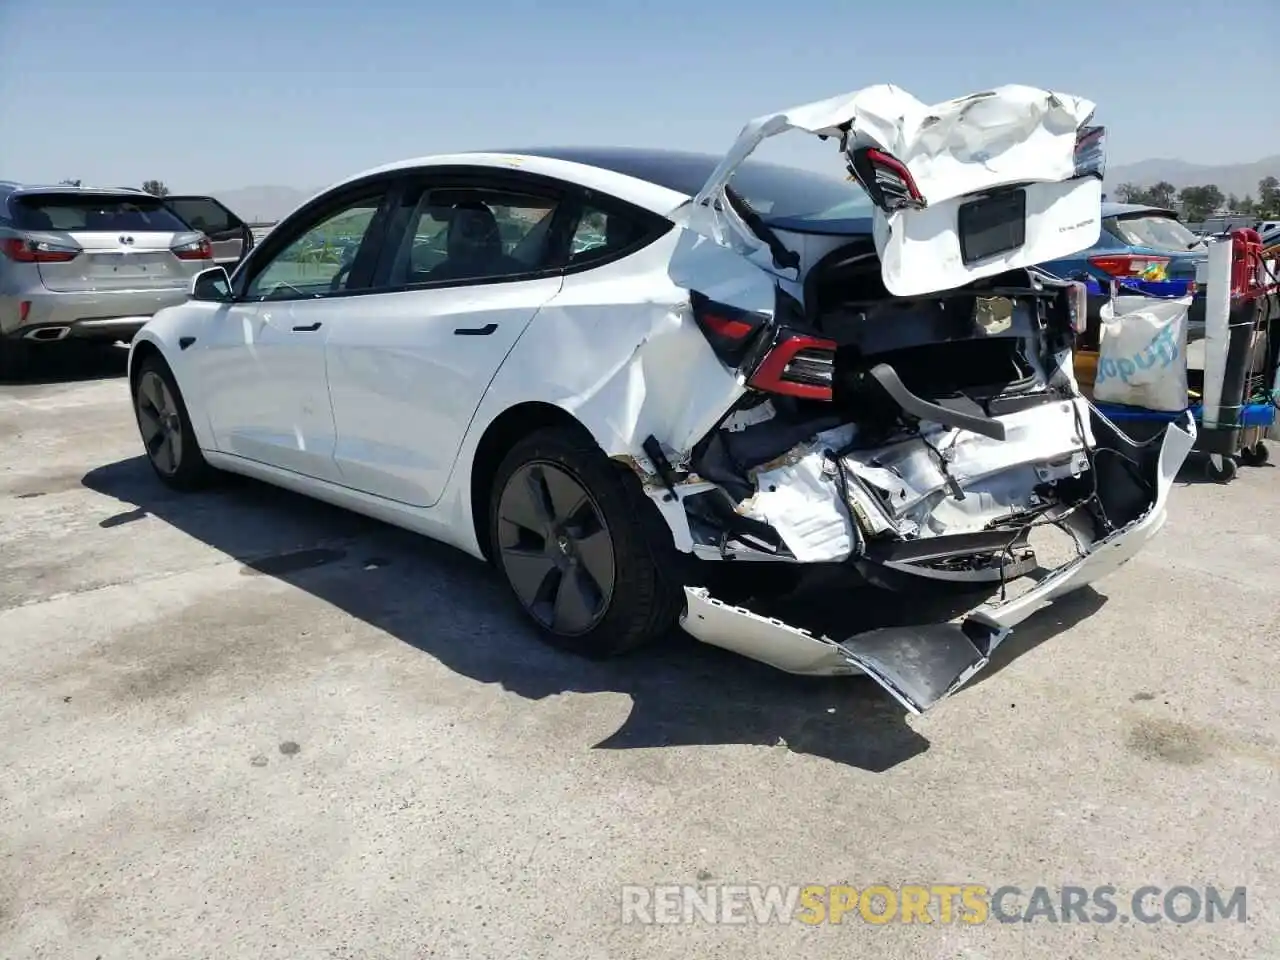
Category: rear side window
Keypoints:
(80, 212)
(206, 215)
(1159, 233)
(601, 234)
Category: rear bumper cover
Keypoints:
(920, 665)
(114, 314)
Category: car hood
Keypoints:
(954, 151)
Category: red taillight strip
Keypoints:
(25, 251)
(726, 327)
(1122, 265)
(898, 167)
(197, 250)
(770, 376)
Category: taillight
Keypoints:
(798, 366)
(1131, 267)
(37, 251)
(731, 331)
(1078, 299)
(200, 249)
(1091, 152)
(886, 180)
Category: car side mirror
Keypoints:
(212, 285)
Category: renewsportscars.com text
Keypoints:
(940, 903)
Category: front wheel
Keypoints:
(165, 427)
(584, 551)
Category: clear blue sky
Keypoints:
(224, 94)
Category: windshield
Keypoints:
(787, 196)
(1156, 231)
(89, 212)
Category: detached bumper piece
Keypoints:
(922, 664)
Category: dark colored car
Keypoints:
(231, 237)
(1143, 248)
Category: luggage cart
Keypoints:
(1234, 398)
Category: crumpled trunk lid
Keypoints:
(963, 189)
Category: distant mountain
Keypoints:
(267, 203)
(1238, 178)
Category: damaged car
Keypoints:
(633, 378)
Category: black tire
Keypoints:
(1224, 475)
(15, 359)
(645, 597)
(1256, 456)
(189, 470)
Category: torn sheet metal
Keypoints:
(800, 496)
(801, 501)
(1048, 440)
(920, 665)
(954, 151)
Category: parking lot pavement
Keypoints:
(241, 724)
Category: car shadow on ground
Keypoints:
(70, 362)
(457, 610)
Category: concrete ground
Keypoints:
(241, 724)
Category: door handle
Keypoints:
(484, 331)
(308, 328)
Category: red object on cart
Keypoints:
(1246, 263)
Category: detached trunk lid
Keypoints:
(126, 241)
(964, 189)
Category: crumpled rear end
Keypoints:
(920, 664)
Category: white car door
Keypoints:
(262, 365)
(466, 268)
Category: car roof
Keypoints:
(680, 171)
(657, 179)
(14, 188)
(644, 193)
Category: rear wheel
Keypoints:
(583, 549)
(165, 428)
(15, 357)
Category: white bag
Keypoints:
(1142, 353)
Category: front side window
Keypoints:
(320, 260)
(467, 233)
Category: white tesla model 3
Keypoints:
(619, 374)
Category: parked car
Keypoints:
(86, 264)
(231, 237)
(1143, 248)
(631, 378)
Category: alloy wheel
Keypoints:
(160, 423)
(555, 548)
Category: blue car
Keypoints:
(1146, 249)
